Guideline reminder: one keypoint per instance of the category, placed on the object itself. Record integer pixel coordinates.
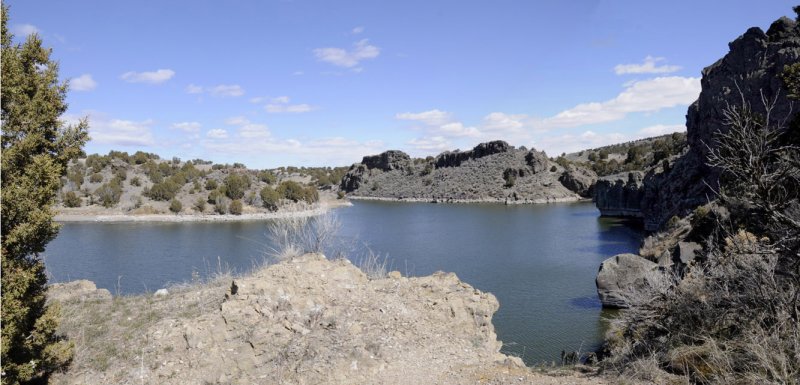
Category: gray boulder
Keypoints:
(537, 161)
(354, 177)
(579, 180)
(620, 275)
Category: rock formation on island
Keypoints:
(748, 74)
(490, 172)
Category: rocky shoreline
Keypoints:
(114, 217)
(471, 201)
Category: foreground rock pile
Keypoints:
(305, 321)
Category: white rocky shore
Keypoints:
(72, 215)
(304, 321)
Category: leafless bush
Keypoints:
(293, 236)
(733, 316)
(373, 265)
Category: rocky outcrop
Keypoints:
(619, 195)
(304, 321)
(387, 161)
(621, 275)
(748, 74)
(580, 180)
(354, 177)
(81, 290)
(455, 158)
(490, 172)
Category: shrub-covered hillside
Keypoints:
(143, 183)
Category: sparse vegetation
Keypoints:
(175, 206)
(71, 199)
(235, 207)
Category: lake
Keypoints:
(540, 261)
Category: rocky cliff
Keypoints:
(490, 172)
(304, 321)
(748, 74)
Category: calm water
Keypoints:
(539, 260)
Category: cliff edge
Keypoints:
(304, 321)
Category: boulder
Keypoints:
(580, 180)
(537, 161)
(621, 275)
(80, 290)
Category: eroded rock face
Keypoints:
(751, 69)
(387, 161)
(621, 275)
(619, 195)
(537, 161)
(354, 177)
(579, 180)
(455, 158)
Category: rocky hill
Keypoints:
(490, 172)
(749, 74)
(308, 320)
(144, 184)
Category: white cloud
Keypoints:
(150, 77)
(191, 127)
(248, 129)
(258, 100)
(297, 73)
(641, 96)
(361, 50)
(430, 144)
(281, 104)
(455, 129)
(647, 67)
(357, 30)
(217, 133)
(555, 145)
(121, 132)
(194, 89)
(433, 117)
(227, 90)
(83, 83)
(23, 30)
(502, 122)
(288, 108)
(661, 129)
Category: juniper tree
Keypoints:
(36, 148)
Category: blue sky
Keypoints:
(312, 83)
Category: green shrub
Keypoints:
(211, 184)
(267, 177)
(163, 191)
(296, 192)
(121, 174)
(96, 178)
(175, 206)
(340, 195)
(270, 198)
(235, 207)
(109, 193)
(71, 199)
(553, 168)
(221, 205)
(200, 204)
(427, 170)
(236, 185)
(135, 181)
(510, 176)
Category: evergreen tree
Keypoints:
(36, 147)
